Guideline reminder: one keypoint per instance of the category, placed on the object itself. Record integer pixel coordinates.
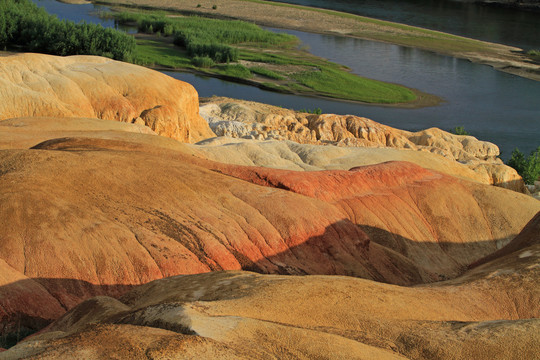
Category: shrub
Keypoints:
(203, 61)
(218, 52)
(316, 111)
(460, 130)
(24, 24)
(214, 7)
(528, 168)
(168, 30)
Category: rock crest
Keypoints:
(249, 120)
(95, 87)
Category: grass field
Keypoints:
(244, 51)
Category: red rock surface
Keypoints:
(96, 87)
(90, 216)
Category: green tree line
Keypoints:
(25, 26)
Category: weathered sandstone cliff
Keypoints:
(95, 87)
(249, 120)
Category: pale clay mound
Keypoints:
(280, 154)
(488, 313)
(96, 87)
(251, 120)
(103, 209)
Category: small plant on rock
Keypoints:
(460, 130)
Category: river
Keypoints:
(491, 105)
(465, 18)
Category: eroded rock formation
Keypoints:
(489, 312)
(95, 87)
(250, 120)
(102, 211)
(97, 207)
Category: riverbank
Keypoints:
(280, 15)
(280, 70)
(242, 52)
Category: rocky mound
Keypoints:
(289, 155)
(95, 215)
(489, 312)
(250, 120)
(95, 87)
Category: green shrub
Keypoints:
(203, 61)
(460, 130)
(214, 7)
(528, 168)
(317, 111)
(534, 54)
(218, 52)
(168, 30)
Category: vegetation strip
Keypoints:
(244, 52)
(303, 18)
(25, 26)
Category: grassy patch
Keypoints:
(534, 55)
(234, 70)
(158, 53)
(214, 47)
(344, 85)
(267, 73)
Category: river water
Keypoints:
(493, 106)
(466, 18)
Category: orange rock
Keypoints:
(87, 216)
(94, 87)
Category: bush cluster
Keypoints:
(23, 24)
(203, 61)
(528, 167)
(460, 130)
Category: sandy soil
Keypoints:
(501, 57)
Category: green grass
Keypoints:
(267, 73)
(213, 46)
(158, 53)
(234, 70)
(534, 55)
(343, 85)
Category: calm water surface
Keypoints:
(494, 106)
(465, 18)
